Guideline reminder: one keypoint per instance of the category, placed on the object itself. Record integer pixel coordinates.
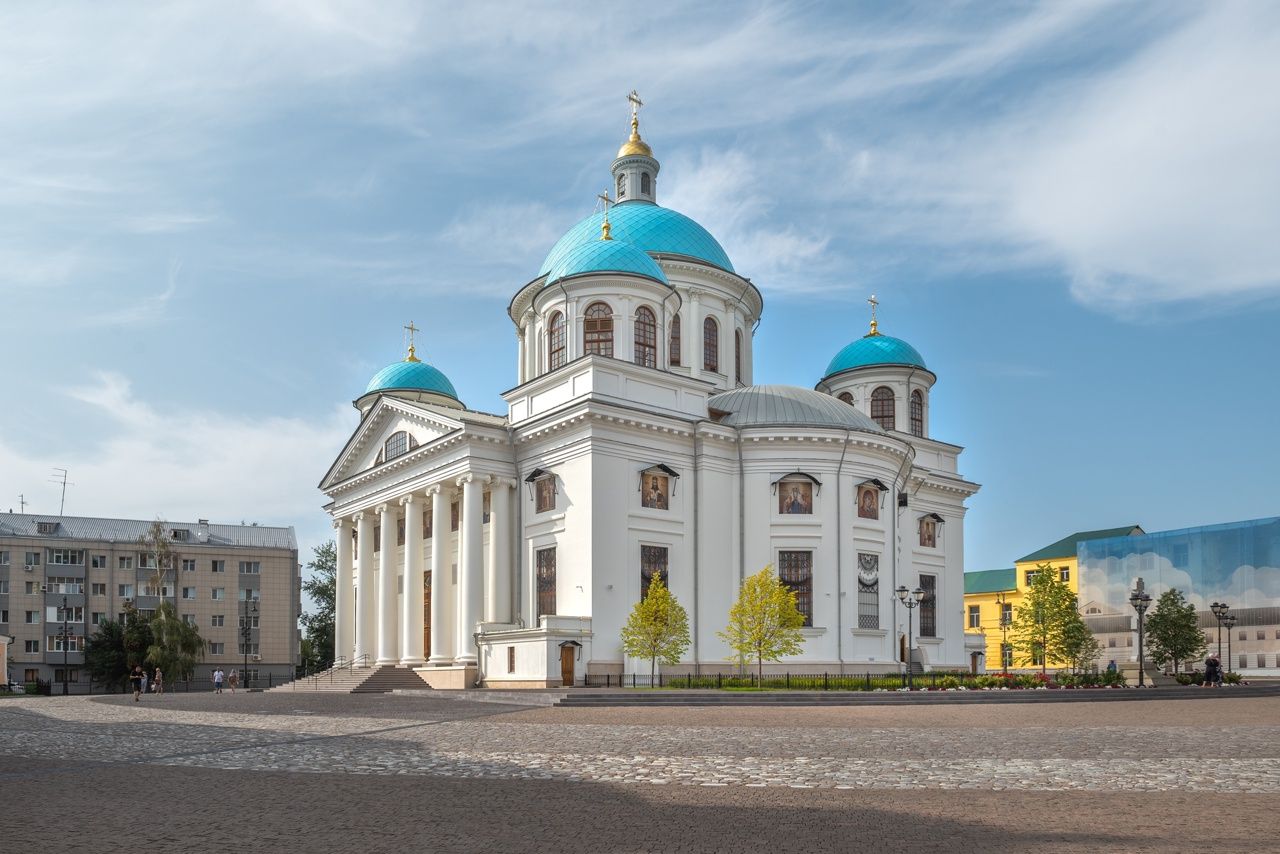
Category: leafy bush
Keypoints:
(949, 683)
(1232, 678)
(1195, 677)
(1111, 678)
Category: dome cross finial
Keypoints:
(412, 353)
(634, 99)
(604, 226)
(873, 302)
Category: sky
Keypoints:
(215, 218)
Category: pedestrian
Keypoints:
(144, 681)
(233, 680)
(159, 681)
(217, 681)
(1212, 671)
(136, 678)
(1111, 666)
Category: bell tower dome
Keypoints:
(635, 171)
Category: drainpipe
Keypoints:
(742, 515)
(839, 550)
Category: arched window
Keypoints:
(917, 413)
(646, 335)
(846, 397)
(882, 407)
(675, 340)
(710, 345)
(597, 330)
(646, 185)
(555, 342)
(622, 186)
(397, 445)
(737, 356)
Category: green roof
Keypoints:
(990, 581)
(1066, 547)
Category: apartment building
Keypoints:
(223, 578)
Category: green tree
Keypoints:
(1079, 648)
(157, 544)
(175, 645)
(764, 623)
(1040, 626)
(135, 635)
(104, 655)
(658, 628)
(1173, 631)
(321, 586)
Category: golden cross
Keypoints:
(873, 302)
(411, 329)
(604, 198)
(636, 104)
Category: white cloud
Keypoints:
(136, 459)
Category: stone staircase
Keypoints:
(358, 679)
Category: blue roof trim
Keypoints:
(606, 256)
(418, 376)
(650, 227)
(875, 350)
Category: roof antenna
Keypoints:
(60, 477)
(22, 503)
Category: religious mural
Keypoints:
(654, 491)
(868, 502)
(795, 497)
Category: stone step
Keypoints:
(359, 680)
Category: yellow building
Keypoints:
(991, 597)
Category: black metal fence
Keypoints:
(187, 686)
(789, 681)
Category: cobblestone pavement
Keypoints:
(571, 774)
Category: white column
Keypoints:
(624, 331)
(470, 567)
(366, 596)
(411, 620)
(441, 566)
(343, 609)
(497, 583)
(387, 587)
(692, 334)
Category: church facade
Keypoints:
(509, 550)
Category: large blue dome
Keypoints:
(875, 349)
(605, 256)
(647, 226)
(411, 376)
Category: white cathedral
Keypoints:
(508, 550)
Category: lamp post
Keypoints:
(1220, 610)
(66, 641)
(1141, 601)
(910, 599)
(1229, 623)
(1004, 633)
(245, 634)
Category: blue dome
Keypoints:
(647, 226)
(613, 256)
(415, 376)
(875, 350)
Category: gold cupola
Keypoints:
(634, 144)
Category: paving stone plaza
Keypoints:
(258, 771)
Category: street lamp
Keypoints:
(1141, 601)
(1220, 610)
(910, 599)
(66, 641)
(1229, 623)
(245, 634)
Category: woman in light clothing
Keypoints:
(233, 680)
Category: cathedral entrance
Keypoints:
(567, 653)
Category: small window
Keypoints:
(1111, 643)
(1244, 635)
(845, 397)
(868, 591)
(1006, 655)
(737, 356)
(710, 345)
(929, 606)
(795, 571)
(917, 413)
(545, 560)
(675, 341)
(622, 187)
(97, 618)
(188, 565)
(646, 184)
(250, 567)
(32, 646)
(4, 558)
(653, 562)
(882, 405)
(1065, 574)
(1262, 635)
(219, 593)
(217, 621)
(180, 535)
(218, 566)
(646, 337)
(511, 659)
(545, 494)
(217, 649)
(124, 591)
(98, 562)
(597, 330)
(46, 527)
(555, 342)
(397, 445)
(975, 616)
(188, 593)
(189, 619)
(455, 515)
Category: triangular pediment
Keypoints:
(424, 425)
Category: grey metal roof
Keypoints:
(129, 530)
(788, 406)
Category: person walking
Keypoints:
(144, 681)
(159, 682)
(217, 681)
(234, 679)
(1212, 671)
(136, 678)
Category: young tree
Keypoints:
(156, 543)
(1040, 626)
(136, 636)
(658, 628)
(1080, 648)
(321, 586)
(764, 623)
(175, 645)
(1173, 631)
(104, 655)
